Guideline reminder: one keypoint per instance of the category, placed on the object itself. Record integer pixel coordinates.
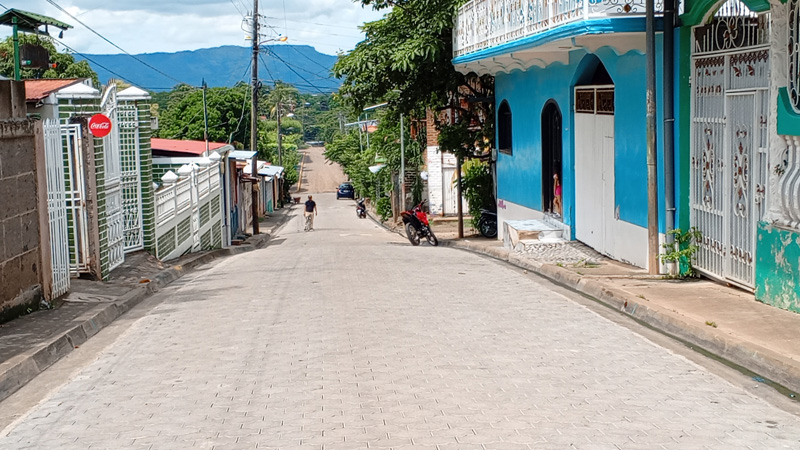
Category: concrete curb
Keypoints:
(755, 358)
(22, 368)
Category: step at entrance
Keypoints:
(519, 232)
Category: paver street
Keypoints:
(348, 337)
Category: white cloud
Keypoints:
(148, 26)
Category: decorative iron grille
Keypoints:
(584, 101)
(733, 26)
(794, 54)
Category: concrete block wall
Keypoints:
(21, 185)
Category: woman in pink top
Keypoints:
(556, 194)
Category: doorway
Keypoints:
(552, 180)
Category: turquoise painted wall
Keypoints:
(778, 267)
(519, 174)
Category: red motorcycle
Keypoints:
(417, 226)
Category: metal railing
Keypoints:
(179, 201)
(482, 24)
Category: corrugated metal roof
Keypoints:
(180, 146)
(30, 22)
(36, 90)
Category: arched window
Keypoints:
(504, 128)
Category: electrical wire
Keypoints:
(306, 57)
(312, 23)
(317, 75)
(237, 9)
(92, 61)
(273, 80)
(295, 72)
(52, 2)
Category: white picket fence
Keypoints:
(189, 211)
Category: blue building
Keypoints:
(570, 93)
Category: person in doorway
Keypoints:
(556, 195)
(310, 212)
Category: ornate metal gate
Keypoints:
(730, 108)
(114, 213)
(57, 207)
(128, 119)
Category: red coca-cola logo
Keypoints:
(99, 125)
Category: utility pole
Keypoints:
(280, 144)
(205, 115)
(402, 165)
(15, 32)
(652, 167)
(460, 201)
(254, 118)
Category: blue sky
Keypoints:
(146, 26)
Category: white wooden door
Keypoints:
(594, 167)
(450, 195)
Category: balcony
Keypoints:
(482, 24)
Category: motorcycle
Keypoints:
(487, 224)
(417, 226)
(361, 209)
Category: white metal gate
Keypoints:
(114, 212)
(730, 110)
(74, 178)
(128, 118)
(57, 207)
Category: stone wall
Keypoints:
(21, 189)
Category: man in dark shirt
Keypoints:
(310, 212)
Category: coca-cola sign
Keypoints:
(99, 125)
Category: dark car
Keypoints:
(345, 190)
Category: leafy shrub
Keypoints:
(681, 250)
(384, 208)
(478, 188)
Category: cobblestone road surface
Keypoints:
(348, 337)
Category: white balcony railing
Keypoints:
(487, 23)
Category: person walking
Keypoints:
(309, 213)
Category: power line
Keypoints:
(273, 80)
(237, 8)
(313, 61)
(304, 70)
(295, 72)
(92, 61)
(312, 23)
(52, 2)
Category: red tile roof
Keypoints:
(176, 147)
(36, 90)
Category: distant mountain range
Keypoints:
(300, 65)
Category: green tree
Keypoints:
(65, 65)
(228, 114)
(405, 59)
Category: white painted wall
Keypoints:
(434, 163)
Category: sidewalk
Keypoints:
(725, 321)
(32, 343)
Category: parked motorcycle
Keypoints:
(417, 226)
(487, 224)
(361, 209)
